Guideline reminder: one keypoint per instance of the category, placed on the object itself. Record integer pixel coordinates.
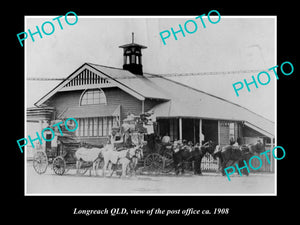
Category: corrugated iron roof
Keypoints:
(190, 102)
(141, 84)
(185, 101)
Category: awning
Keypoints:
(219, 110)
(91, 111)
(260, 130)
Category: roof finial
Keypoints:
(132, 37)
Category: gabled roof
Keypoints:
(180, 100)
(141, 84)
(135, 85)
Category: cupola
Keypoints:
(133, 57)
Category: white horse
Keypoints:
(93, 155)
(124, 157)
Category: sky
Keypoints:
(233, 44)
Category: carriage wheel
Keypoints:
(59, 165)
(168, 164)
(153, 162)
(40, 162)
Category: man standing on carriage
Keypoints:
(120, 137)
(115, 138)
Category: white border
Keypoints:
(149, 194)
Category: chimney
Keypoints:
(133, 57)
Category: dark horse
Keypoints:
(186, 153)
(237, 154)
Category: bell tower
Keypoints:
(133, 57)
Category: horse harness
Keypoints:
(134, 156)
(128, 155)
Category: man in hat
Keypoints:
(116, 139)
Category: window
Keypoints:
(80, 128)
(92, 97)
(77, 130)
(100, 126)
(95, 129)
(109, 125)
(95, 126)
(231, 130)
(91, 127)
(86, 127)
(132, 58)
(104, 126)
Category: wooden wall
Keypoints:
(114, 96)
(223, 132)
(62, 100)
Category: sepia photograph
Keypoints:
(150, 105)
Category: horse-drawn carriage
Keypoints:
(60, 157)
(59, 153)
(165, 156)
(157, 156)
(66, 152)
(177, 156)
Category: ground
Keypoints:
(207, 184)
